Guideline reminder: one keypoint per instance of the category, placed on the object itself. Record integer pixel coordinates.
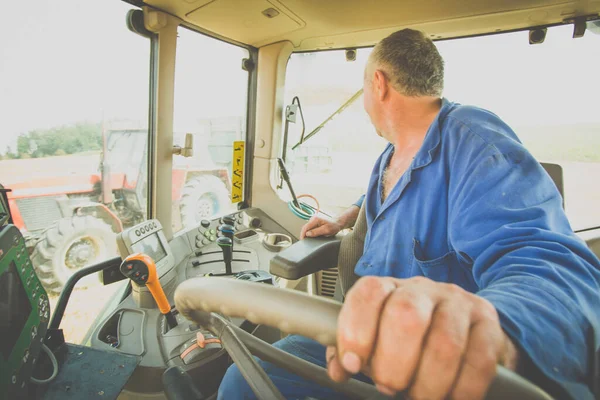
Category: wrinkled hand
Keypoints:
(320, 226)
(434, 340)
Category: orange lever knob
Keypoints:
(141, 269)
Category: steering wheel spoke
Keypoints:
(258, 380)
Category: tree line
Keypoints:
(61, 140)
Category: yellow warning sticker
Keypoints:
(237, 177)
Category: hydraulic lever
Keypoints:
(226, 244)
(227, 230)
(228, 220)
(141, 269)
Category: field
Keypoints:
(84, 306)
(16, 171)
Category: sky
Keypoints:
(72, 60)
(68, 61)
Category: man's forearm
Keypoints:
(348, 218)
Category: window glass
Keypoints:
(335, 164)
(74, 91)
(545, 92)
(210, 103)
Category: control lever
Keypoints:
(228, 219)
(226, 245)
(227, 231)
(141, 269)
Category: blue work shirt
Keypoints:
(476, 209)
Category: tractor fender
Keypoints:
(102, 212)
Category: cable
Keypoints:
(301, 210)
(305, 211)
(288, 119)
(52, 358)
(297, 100)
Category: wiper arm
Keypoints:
(338, 111)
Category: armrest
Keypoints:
(306, 257)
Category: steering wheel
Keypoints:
(294, 312)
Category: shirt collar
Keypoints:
(433, 137)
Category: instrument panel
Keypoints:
(149, 239)
(136, 326)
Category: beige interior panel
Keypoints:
(358, 18)
(317, 24)
(163, 163)
(245, 24)
(272, 61)
(179, 8)
(199, 3)
(458, 27)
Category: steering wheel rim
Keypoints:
(296, 312)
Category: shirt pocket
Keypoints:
(446, 268)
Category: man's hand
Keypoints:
(320, 226)
(434, 340)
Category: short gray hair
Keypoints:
(411, 62)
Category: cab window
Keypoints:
(74, 91)
(211, 92)
(545, 92)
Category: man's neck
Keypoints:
(409, 119)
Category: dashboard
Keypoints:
(137, 327)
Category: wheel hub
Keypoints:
(205, 206)
(81, 253)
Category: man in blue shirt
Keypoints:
(469, 260)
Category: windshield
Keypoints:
(545, 92)
(66, 78)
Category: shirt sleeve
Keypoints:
(507, 223)
(360, 201)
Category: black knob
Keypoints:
(205, 223)
(228, 219)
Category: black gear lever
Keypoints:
(226, 245)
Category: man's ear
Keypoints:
(381, 83)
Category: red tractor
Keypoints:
(69, 212)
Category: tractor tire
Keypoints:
(201, 198)
(69, 245)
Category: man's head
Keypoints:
(406, 62)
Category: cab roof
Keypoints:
(325, 24)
